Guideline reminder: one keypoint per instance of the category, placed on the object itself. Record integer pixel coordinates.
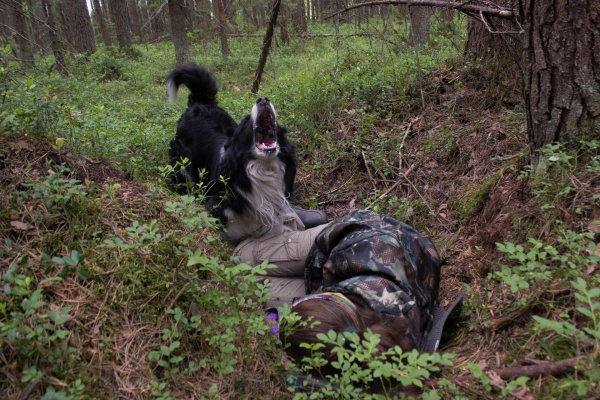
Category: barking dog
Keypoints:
(256, 161)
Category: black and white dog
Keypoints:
(247, 169)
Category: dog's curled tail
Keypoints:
(202, 84)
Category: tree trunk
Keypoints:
(561, 59)
(98, 13)
(266, 46)
(39, 32)
(156, 20)
(283, 24)
(204, 15)
(20, 33)
(59, 59)
(83, 34)
(419, 25)
(120, 17)
(134, 17)
(298, 15)
(219, 11)
(177, 17)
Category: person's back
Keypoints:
(368, 271)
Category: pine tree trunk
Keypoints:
(283, 24)
(204, 17)
(219, 11)
(20, 33)
(134, 17)
(156, 21)
(83, 34)
(177, 17)
(99, 14)
(419, 25)
(59, 59)
(120, 17)
(561, 59)
(38, 30)
(298, 15)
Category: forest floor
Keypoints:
(457, 179)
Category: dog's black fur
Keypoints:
(213, 142)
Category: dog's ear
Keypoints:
(244, 123)
(281, 132)
(243, 135)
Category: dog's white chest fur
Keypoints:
(269, 211)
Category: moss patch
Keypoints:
(473, 198)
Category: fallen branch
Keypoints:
(543, 368)
(469, 7)
(404, 175)
(303, 35)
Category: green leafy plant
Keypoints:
(359, 365)
(575, 319)
(188, 210)
(33, 327)
(58, 191)
(544, 262)
(70, 263)
(170, 356)
(582, 330)
(139, 237)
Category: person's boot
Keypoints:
(310, 218)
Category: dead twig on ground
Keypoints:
(540, 369)
(387, 192)
(368, 170)
(404, 136)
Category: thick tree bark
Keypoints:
(39, 31)
(19, 31)
(561, 59)
(99, 14)
(419, 25)
(59, 59)
(120, 17)
(266, 46)
(177, 17)
(221, 21)
(83, 34)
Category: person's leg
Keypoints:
(284, 290)
(287, 250)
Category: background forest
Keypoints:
(475, 122)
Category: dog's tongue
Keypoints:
(266, 144)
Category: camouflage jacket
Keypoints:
(390, 265)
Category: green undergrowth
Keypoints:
(118, 289)
(105, 278)
(114, 106)
(547, 291)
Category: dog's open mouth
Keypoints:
(265, 140)
(264, 123)
(265, 128)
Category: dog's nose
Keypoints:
(262, 100)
